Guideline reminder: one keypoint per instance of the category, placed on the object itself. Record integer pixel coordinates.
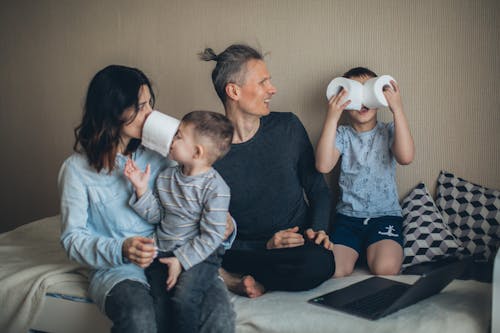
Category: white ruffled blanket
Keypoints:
(33, 262)
(462, 307)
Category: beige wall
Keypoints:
(444, 54)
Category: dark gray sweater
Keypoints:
(268, 176)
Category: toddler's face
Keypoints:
(183, 147)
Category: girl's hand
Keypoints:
(393, 96)
(336, 105)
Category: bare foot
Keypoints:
(251, 287)
(242, 285)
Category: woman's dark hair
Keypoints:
(231, 66)
(358, 72)
(111, 91)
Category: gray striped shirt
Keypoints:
(191, 210)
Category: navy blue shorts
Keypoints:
(359, 233)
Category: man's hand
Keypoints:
(139, 250)
(174, 270)
(229, 226)
(285, 238)
(319, 237)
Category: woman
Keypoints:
(99, 229)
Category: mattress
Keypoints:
(463, 306)
(46, 292)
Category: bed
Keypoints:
(41, 290)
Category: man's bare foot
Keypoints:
(242, 285)
(251, 287)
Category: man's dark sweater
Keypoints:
(268, 176)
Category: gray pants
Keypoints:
(131, 308)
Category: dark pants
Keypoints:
(289, 269)
(185, 299)
(132, 308)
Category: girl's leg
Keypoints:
(345, 259)
(384, 257)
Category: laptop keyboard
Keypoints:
(373, 304)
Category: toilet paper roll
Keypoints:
(373, 94)
(354, 91)
(159, 131)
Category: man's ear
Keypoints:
(233, 91)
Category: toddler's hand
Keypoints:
(393, 96)
(336, 104)
(174, 270)
(138, 178)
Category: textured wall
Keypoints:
(443, 53)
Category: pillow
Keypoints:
(472, 213)
(426, 236)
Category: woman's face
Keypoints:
(133, 128)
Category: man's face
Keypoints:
(257, 90)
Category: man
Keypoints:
(281, 242)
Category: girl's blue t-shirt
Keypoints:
(368, 172)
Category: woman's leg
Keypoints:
(130, 307)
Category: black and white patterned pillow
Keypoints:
(426, 236)
(472, 212)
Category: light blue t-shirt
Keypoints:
(368, 172)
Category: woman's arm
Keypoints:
(82, 244)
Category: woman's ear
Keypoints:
(233, 91)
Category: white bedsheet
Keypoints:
(33, 263)
(32, 260)
(463, 306)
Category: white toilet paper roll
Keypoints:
(159, 131)
(373, 94)
(354, 91)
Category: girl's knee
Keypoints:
(386, 267)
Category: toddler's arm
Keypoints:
(327, 154)
(137, 178)
(403, 147)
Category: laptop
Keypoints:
(377, 297)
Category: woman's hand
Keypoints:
(285, 238)
(139, 250)
(319, 237)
